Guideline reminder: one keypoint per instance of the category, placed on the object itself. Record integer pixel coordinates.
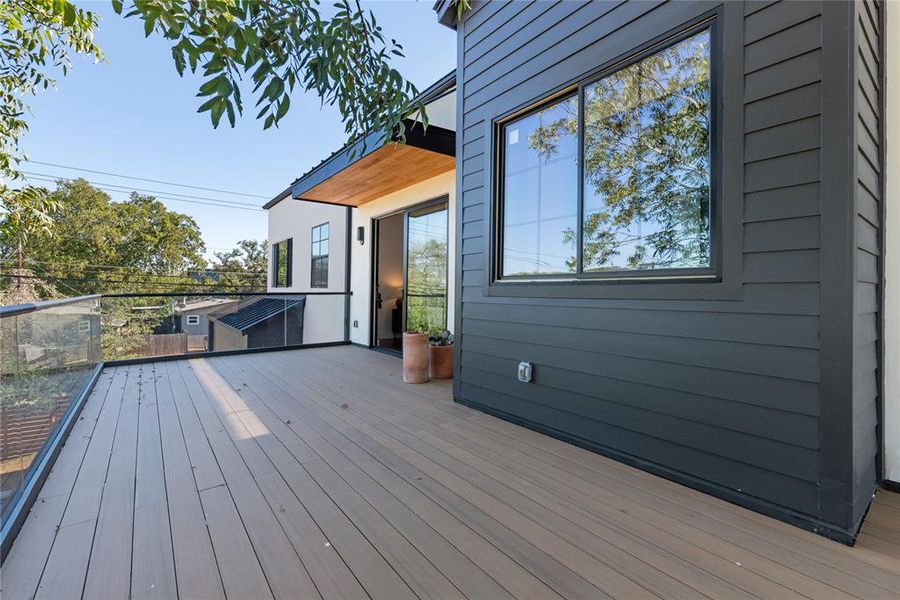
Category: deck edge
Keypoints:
(45, 463)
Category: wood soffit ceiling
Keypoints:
(388, 169)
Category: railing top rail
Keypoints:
(205, 294)
(21, 309)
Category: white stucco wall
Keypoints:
(891, 362)
(295, 219)
(323, 316)
(361, 255)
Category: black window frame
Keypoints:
(501, 177)
(725, 237)
(289, 253)
(314, 268)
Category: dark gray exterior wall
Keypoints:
(753, 388)
(868, 131)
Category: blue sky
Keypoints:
(134, 116)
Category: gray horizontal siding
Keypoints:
(868, 211)
(721, 391)
(785, 490)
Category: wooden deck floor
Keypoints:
(317, 473)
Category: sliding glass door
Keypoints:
(426, 268)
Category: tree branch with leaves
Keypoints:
(280, 45)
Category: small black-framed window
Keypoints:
(615, 177)
(282, 260)
(319, 263)
(193, 319)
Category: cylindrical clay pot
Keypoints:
(441, 362)
(415, 357)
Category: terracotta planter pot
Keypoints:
(441, 365)
(415, 357)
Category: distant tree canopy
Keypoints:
(99, 245)
(243, 266)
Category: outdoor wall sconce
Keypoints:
(361, 234)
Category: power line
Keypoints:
(126, 188)
(140, 275)
(184, 185)
(62, 282)
(159, 197)
(137, 275)
(139, 283)
(92, 266)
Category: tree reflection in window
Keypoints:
(647, 173)
(540, 191)
(426, 274)
(646, 180)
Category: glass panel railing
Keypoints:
(145, 326)
(48, 352)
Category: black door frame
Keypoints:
(373, 258)
(373, 282)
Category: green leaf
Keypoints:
(283, 107)
(216, 113)
(274, 89)
(178, 57)
(230, 110)
(69, 16)
(211, 86)
(250, 36)
(224, 86)
(207, 105)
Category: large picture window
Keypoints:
(319, 266)
(642, 206)
(281, 256)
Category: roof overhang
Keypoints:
(371, 168)
(285, 193)
(446, 11)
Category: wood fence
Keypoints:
(164, 344)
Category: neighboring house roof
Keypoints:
(257, 310)
(202, 304)
(437, 139)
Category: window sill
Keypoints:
(705, 287)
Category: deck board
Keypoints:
(153, 562)
(197, 573)
(501, 488)
(317, 473)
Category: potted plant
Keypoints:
(441, 362)
(415, 357)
